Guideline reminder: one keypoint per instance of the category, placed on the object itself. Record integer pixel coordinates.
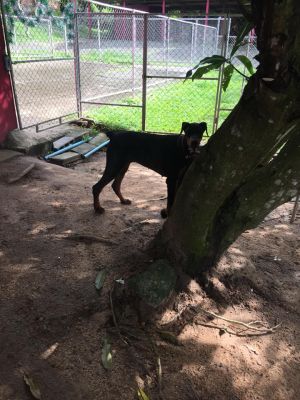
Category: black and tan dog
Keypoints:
(167, 155)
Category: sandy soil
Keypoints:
(53, 322)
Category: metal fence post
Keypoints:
(168, 45)
(145, 60)
(225, 36)
(192, 43)
(218, 34)
(50, 34)
(77, 65)
(228, 34)
(165, 40)
(195, 39)
(133, 52)
(99, 33)
(66, 39)
(11, 72)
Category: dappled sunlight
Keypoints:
(48, 290)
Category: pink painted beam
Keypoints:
(206, 12)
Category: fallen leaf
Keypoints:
(34, 389)
(142, 395)
(100, 278)
(169, 337)
(106, 355)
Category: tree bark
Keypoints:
(227, 190)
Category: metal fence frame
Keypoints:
(15, 59)
(221, 45)
(146, 77)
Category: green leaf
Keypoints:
(201, 71)
(100, 278)
(189, 73)
(106, 355)
(228, 71)
(204, 70)
(34, 389)
(142, 395)
(247, 63)
(213, 60)
(240, 37)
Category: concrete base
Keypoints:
(40, 143)
(8, 154)
(65, 158)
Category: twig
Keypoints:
(143, 222)
(237, 333)
(89, 239)
(22, 174)
(148, 200)
(159, 367)
(115, 319)
(191, 386)
(261, 330)
(159, 374)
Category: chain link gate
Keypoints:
(131, 70)
(42, 67)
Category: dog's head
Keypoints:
(193, 133)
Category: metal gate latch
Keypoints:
(7, 62)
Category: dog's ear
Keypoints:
(184, 126)
(204, 126)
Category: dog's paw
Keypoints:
(164, 213)
(126, 202)
(99, 210)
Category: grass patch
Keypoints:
(110, 57)
(37, 33)
(169, 105)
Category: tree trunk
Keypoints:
(238, 178)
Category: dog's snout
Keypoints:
(194, 144)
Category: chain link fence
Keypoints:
(125, 69)
(42, 61)
(138, 64)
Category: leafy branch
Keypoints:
(214, 62)
(14, 11)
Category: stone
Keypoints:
(65, 158)
(62, 142)
(8, 154)
(83, 148)
(155, 284)
(34, 143)
(99, 139)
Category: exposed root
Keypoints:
(252, 328)
(89, 239)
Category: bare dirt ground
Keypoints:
(53, 322)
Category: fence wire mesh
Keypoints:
(111, 63)
(43, 69)
(127, 65)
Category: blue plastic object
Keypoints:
(89, 153)
(69, 147)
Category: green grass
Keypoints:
(36, 34)
(110, 57)
(169, 105)
(33, 53)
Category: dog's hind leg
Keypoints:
(117, 185)
(113, 168)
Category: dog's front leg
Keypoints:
(171, 186)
